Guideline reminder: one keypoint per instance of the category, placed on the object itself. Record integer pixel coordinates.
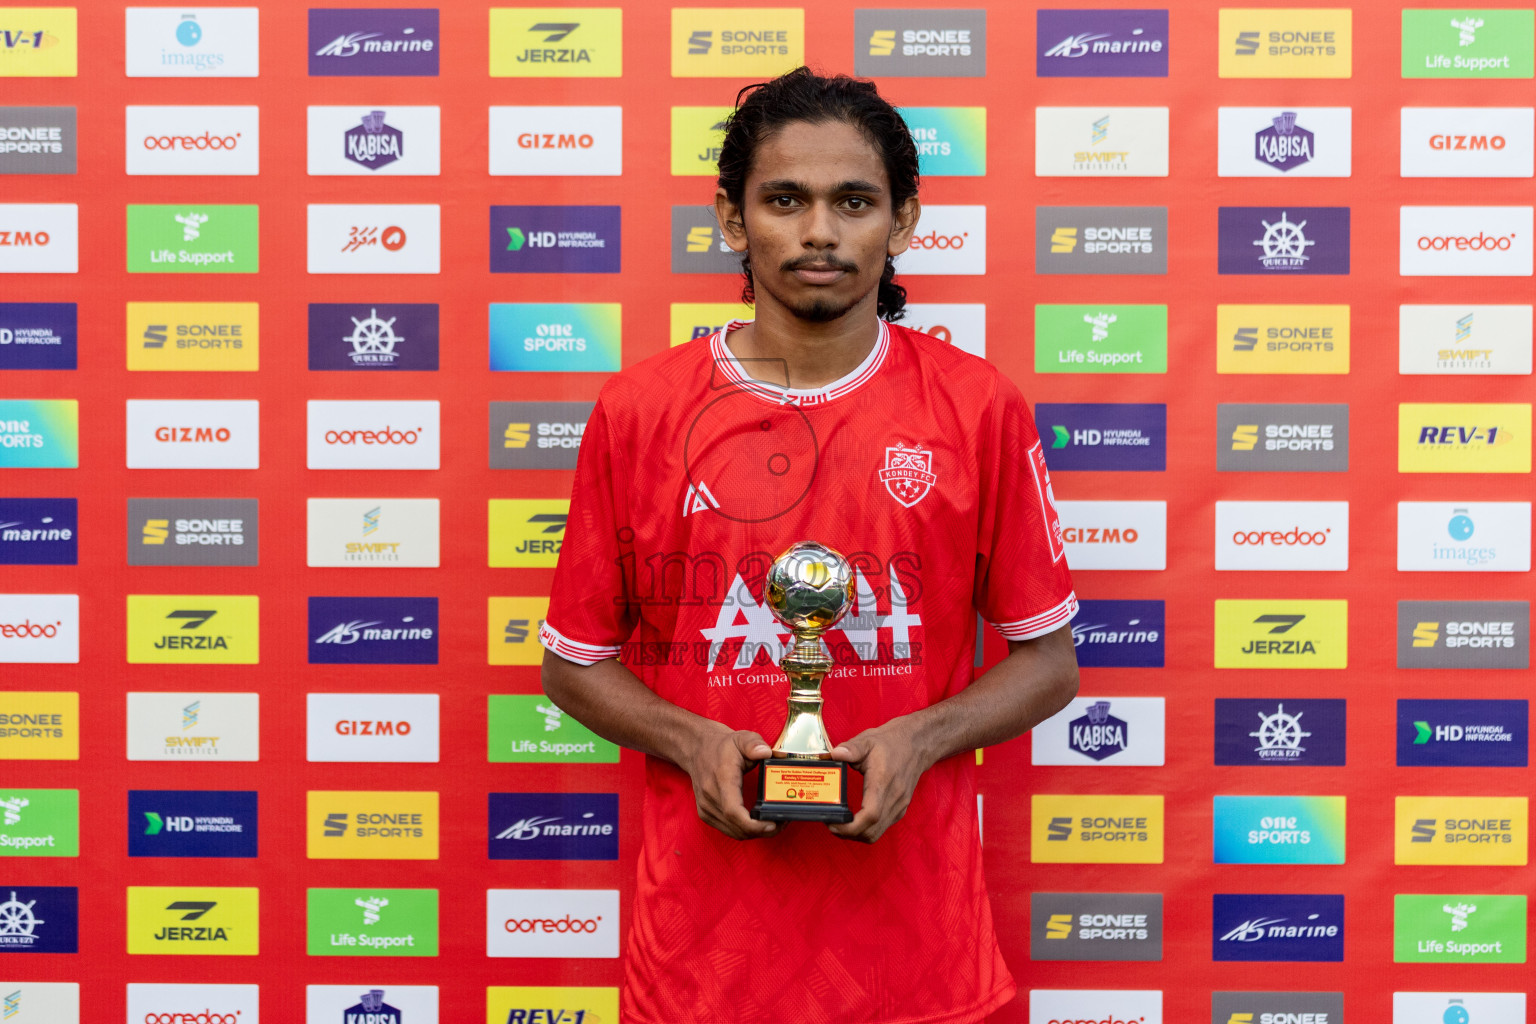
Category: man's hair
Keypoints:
(802, 95)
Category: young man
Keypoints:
(820, 421)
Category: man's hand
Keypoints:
(716, 763)
(891, 764)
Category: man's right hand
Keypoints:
(718, 762)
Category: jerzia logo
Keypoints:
(1281, 634)
(192, 921)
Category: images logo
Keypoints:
(41, 726)
(373, 727)
(555, 336)
(1282, 634)
(1282, 536)
(39, 629)
(1278, 829)
(39, 823)
(372, 825)
(1115, 534)
(359, 141)
(1119, 634)
(1463, 438)
(1284, 43)
(1103, 436)
(1101, 240)
(1279, 732)
(731, 42)
(557, 42)
(920, 43)
(1458, 929)
(1282, 339)
(1463, 634)
(193, 922)
(1270, 928)
(1282, 438)
(1101, 142)
(1293, 240)
(199, 42)
(1468, 43)
(555, 239)
(193, 629)
(526, 533)
(554, 826)
(192, 726)
(1101, 44)
(531, 729)
(191, 823)
(373, 41)
(372, 922)
(1100, 339)
(1486, 830)
(1480, 733)
(40, 919)
(1492, 536)
(37, 140)
(39, 42)
(1457, 1007)
(373, 631)
(39, 531)
(1102, 731)
(552, 922)
(1096, 829)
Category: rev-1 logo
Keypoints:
(1463, 436)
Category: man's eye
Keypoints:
(783, 202)
(857, 202)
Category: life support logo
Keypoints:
(372, 922)
(1088, 829)
(1458, 928)
(1489, 830)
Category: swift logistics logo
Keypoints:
(193, 238)
(1462, 43)
(193, 629)
(556, 42)
(1280, 731)
(1101, 240)
(1104, 436)
(1115, 534)
(1458, 929)
(38, 140)
(194, 336)
(372, 922)
(1471, 536)
(1463, 634)
(733, 42)
(1435, 437)
(373, 631)
(1119, 634)
(39, 42)
(526, 532)
(553, 826)
(512, 630)
(1264, 927)
(1463, 733)
(1101, 339)
(552, 923)
(569, 337)
(41, 433)
(192, 823)
(38, 336)
(40, 919)
(372, 727)
(193, 531)
(1281, 634)
(36, 1002)
(1097, 926)
(537, 435)
(39, 531)
(373, 336)
(1258, 42)
(42, 726)
(1466, 339)
(555, 239)
(358, 141)
(194, 726)
(1282, 536)
(924, 43)
(1096, 829)
(1467, 142)
(1466, 830)
(1101, 142)
(193, 434)
(1278, 829)
(373, 41)
(1101, 43)
(192, 42)
(372, 825)
(1102, 731)
(566, 141)
(523, 1005)
(201, 921)
(374, 533)
(1282, 438)
(1279, 1008)
(531, 729)
(1282, 339)
(39, 629)
(1270, 142)
(1464, 241)
(39, 823)
(1292, 240)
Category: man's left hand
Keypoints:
(888, 758)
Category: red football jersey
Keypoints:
(923, 467)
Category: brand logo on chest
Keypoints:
(908, 474)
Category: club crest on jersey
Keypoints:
(908, 474)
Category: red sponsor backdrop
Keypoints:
(646, 191)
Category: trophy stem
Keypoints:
(804, 735)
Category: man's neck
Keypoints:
(812, 355)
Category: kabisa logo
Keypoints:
(1463, 438)
(193, 531)
(1276, 142)
(39, 823)
(1461, 43)
(555, 240)
(920, 43)
(1284, 145)
(1104, 436)
(372, 825)
(374, 144)
(1096, 829)
(1280, 732)
(1102, 731)
(1284, 43)
(1101, 43)
(37, 140)
(726, 42)
(1101, 240)
(1278, 829)
(372, 1009)
(1281, 634)
(1119, 634)
(1458, 929)
(1463, 634)
(373, 631)
(372, 727)
(199, 42)
(556, 42)
(1280, 1008)
(1487, 830)
(537, 435)
(191, 726)
(39, 531)
(364, 41)
(554, 826)
(193, 921)
(526, 533)
(1266, 927)
(1282, 438)
(532, 729)
(40, 919)
(552, 922)
(504, 1005)
(372, 922)
(192, 823)
(1095, 926)
(38, 335)
(373, 336)
(1474, 733)
(40, 726)
(1289, 240)
(201, 629)
(1098, 734)
(555, 336)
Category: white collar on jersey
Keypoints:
(731, 368)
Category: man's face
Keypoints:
(817, 220)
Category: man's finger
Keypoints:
(751, 745)
(866, 818)
(852, 751)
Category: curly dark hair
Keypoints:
(803, 95)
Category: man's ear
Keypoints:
(904, 224)
(732, 227)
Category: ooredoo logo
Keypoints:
(1462, 243)
(547, 926)
(552, 923)
(39, 629)
(949, 240)
(1465, 241)
(385, 435)
(1282, 535)
(934, 240)
(193, 140)
(1095, 1006)
(373, 435)
(192, 1004)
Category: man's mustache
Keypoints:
(819, 263)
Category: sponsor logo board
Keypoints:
(1467, 142)
(372, 727)
(1101, 339)
(555, 239)
(924, 43)
(504, 1003)
(1464, 339)
(1101, 240)
(1102, 731)
(1463, 634)
(1463, 536)
(1283, 241)
(1275, 42)
(39, 629)
(1463, 1007)
(372, 922)
(192, 42)
(1282, 339)
(193, 531)
(526, 532)
(562, 141)
(373, 336)
(1278, 829)
(373, 41)
(373, 631)
(553, 826)
(537, 435)
(1265, 927)
(38, 336)
(1119, 634)
(373, 435)
(532, 729)
(1104, 435)
(1057, 1006)
(39, 531)
(1466, 830)
(1115, 534)
(193, 434)
(1458, 929)
(194, 336)
(200, 921)
(1101, 43)
(192, 823)
(38, 725)
(195, 238)
(199, 140)
(512, 630)
(41, 1002)
(39, 238)
(39, 823)
(1282, 438)
(38, 140)
(1464, 241)
(366, 141)
(575, 923)
(557, 42)
(1281, 633)
(1463, 733)
(1437, 437)
(1291, 142)
(193, 629)
(1278, 1007)
(1282, 536)
(394, 238)
(1462, 43)
(372, 825)
(391, 1004)
(1096, 926)
(42, 433)
(39, 42)
(194, 726)
(1280, 731)
(216, 1004)
(950, 240)
(388, 533)
(41, 919)
(1096, 829)
(1101, 142)
(733, 42)
(572, 337)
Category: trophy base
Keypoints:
(802, 789)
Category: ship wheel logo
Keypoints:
(16, 918)
(1280, 735)
(1285, 244)
(373, 340)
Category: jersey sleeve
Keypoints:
(591, 610)
(1023, 587)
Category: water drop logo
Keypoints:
(1461, 526)
(189, 32)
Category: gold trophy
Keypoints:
(810, 587)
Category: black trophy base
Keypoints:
(802, 789)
